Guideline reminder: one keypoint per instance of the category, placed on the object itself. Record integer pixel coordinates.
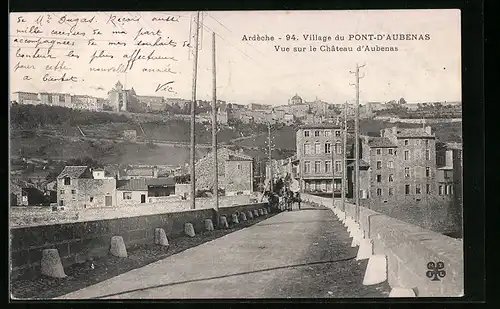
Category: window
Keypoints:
(338, 148)
(417, 189)
(307, 167)
(390, 164)
(379, 151)
(328, 148)
(407, 189)
(49, 98)
(306, 148)
(91, 199)
(127, 195)
(447, 190)
(391, 191)
(328, 166)
(379, 178)
(379, 165)
(316, 133)
(317, 167)
(417, 142)
(73, 191)
(61, 191)
(61, 98)
(428, 189)
(61, 203)
(306, 133)
(337, 133)
(239, 166)
(338, 166)
(390, 151)
(406, 142)
(317, 148)
(328, 133)
(67, 181)
(395, 152)
(391, 178)
(379, 191)
(441, 190)
(407, 172)
(428, 172)
(407, 155)
(427, 154)
(426, 143)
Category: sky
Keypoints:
(247, 71)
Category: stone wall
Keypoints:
(29, 216)
(408, 249)
(238, 177)
(79, 241)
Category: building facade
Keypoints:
(78, 189)
(319, 152)
(235, 172)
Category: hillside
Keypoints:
(52, 133)
(106, 152)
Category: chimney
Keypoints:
(382, 133)
(394, 131)
(428, 129)
(155, 171)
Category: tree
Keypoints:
(402, 101)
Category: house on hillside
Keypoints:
(142, 190)
(78, 187)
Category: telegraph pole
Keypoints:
(332, 150)
(356, 138)
(214, 131)
(344, 159)
(270, 158)
(193, 107)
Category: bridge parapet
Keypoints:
(409, 250)
(79, 241)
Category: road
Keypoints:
(299, 254)
(157, 142)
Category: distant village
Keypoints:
(295, 110)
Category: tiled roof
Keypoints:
(142, 184)
(166, 181)
(380, 142)
(454, 145)
(320, 126)
(132, 185)
(72, 171)
(238, 158)
(415, 132)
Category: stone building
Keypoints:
(77, 188)
(23, 97)
(398, 177)
(319, 152)
(235, 172)
(296, 99)
(121, 99)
